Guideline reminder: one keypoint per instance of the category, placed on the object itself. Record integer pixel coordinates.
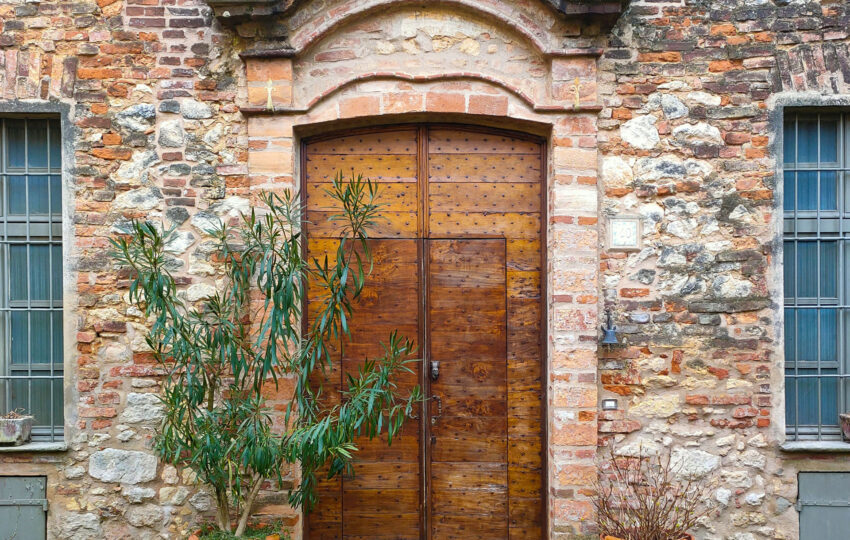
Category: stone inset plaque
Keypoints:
(624, 233)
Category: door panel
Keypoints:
(351, 507)
(468, 443)
(458, 268)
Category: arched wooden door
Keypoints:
(458, 267)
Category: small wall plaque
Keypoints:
(624, 233)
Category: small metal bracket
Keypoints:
(25, 502)
(838, 504)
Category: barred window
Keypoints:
(816, 230)
(31, 377)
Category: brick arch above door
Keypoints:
(572, 260)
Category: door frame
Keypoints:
(422, 128)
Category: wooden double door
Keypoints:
(458, 270)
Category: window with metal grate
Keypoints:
(31, 359)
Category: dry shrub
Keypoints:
(645, 498)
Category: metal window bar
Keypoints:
(823, 227)
(30, 230)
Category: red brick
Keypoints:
(112, 153)
(111, 139)
(634, 292)
(360, 106)
(723, 65)
(745, 412)
(399, 102)
(668, 56)
(98, 412)
(98, 73)
(335, 56)
(276, 69)
(442, 102)
(490, 105)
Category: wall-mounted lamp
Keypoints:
(609, 404)
(609, 331)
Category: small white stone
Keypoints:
(726, 441)
(682, 228)
(672, 107)
(179, 242)
(758, 441)
(703, 98)
(174, 496)
(80, 526)
(754, 499)
(124, 466)
(201, 501)
(616, 171)
(171, 134)
(142, 408)
(662, 406)
(739, 479)
(134, 171)
(640, 132)
(144, 516)
(723, 496)
(169, 474)
(195, 110)
(698, 168)
(199, 291)
(638, 448)
(214, 135)
(136, 494)
(729, 287)
(674, 86)
(146, 198)
(699, 134)
(693, 463)
(754, 458)
(98, 438)
(74, 472)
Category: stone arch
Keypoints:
(523, 20)
(420, 44)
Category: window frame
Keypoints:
(813, 231)
(50, 229)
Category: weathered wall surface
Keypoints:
(692, 94)
(154, 132)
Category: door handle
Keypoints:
(435, 370)
(439, 410)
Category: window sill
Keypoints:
(36, 446)
(834, 447)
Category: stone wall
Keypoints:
(693, 95)
(166, 121)
(152, 131)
